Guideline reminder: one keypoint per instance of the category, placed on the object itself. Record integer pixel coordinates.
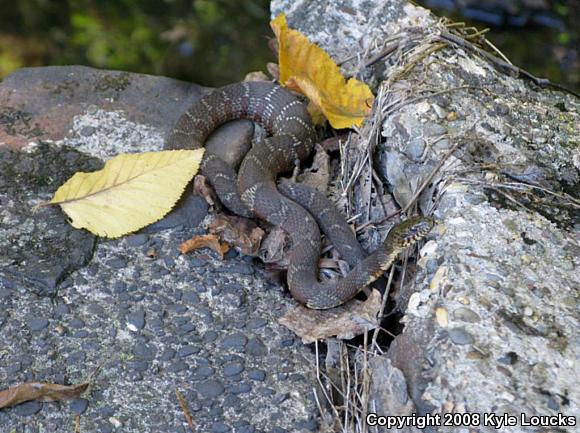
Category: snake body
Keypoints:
(297, 209)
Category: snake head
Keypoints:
(411, 230)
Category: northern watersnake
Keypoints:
(295, 208)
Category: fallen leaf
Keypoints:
(204, 241)
(317, 175)
(307, 68)
(243, 233)
(202, 188)
(344, 322)
(274, 70)
(40, 391)
(130, 192)
(332, 144)
(256, 76)
(274, 248)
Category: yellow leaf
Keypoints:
(307, 68)
(130, 192)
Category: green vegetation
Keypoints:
(211, 42)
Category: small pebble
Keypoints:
(36, 324)
(210, 388)
(28, 408)
(460, 336)
(233, 369)
(220, 427)
(79, 405)
(256, 347)
(136, 319)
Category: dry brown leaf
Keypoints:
(344, 322)
(273, 70)
(204, 241)
(40, 391)
(317, 175)
(332, 144)
(273, 249)
(243, 233)
(202, 188)
(256, 76)
(307, 68)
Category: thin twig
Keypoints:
(185, 410)
(501, 64)
(384, 303)
(429, 178)
(384, 53)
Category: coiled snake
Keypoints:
(297, 209)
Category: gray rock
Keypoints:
(79, 405)
(233, 368)
(36, 324)
(210, 388)
(220, 427)
(188, 350)
(28, 408)
(203, 372)
(242, 388)
(236, 341)
(144, 351)
(256, 347)
(137, 240)
(137, 319)
(257, 375)
(460, 336)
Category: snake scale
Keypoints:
(297, 209)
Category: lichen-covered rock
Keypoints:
(490, 316)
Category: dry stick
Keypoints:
(389, 111)
(476, 33)
(344, 361)
(384, 53)
(356, 396)
(78, 424)
(508, 196)
(377, 182)
(418, 192)
(356, 173)
(500, 64)
(336, 415)
(518, 186)
(523, 188)
(499, 53)
(429, 178)
(366, 380)
(331, 383)
(384, 303)
(185, 410)
(317, 402)
(423, 55)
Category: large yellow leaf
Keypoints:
(130, 192)
(307, 68)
